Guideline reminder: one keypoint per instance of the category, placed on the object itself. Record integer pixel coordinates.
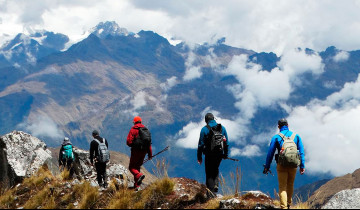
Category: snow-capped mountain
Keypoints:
(104, 29)
(28, 49)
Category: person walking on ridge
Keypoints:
(66, 156)
(139, 139)
(99, 153)
(214, 144)
(290, 155)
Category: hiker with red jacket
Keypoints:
(139, 139)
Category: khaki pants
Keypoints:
(286, 177)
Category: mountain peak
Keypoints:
(104, 29)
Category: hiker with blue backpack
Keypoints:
(290, 156)
(99, 153)
(214, 144)
(66, 156)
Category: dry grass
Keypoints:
(151, 197)
(65, 175)
(88, 195)
(161, 168)
(42, 198)
(7, 199)
(299, 204)
(234, 187)
(42, 177)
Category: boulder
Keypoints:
(346, 199)
(21, 155)
(84, 170)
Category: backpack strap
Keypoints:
(292, 137)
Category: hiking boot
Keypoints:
(139, 182)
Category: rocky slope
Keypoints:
(21, 155)
(321, 196)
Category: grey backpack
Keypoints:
(289, 156)
(104, 154)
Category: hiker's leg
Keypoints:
(70, 167)
(136, 161)
(98, 173)
(290, 184)
(210, 170)
(104, 175)
(283, 179)
(216, 173)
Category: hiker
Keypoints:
(139, 139)
(214, 144)
(99, 153)
(290, 156)
(66, 156)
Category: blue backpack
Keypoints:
(68, 154)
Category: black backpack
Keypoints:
(215, 140)
(143, 141)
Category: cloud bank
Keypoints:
(263, 25)
(43, 127)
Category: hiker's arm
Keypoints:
(271, 153)
(60, 156)
(301, 152)
(130, 138)
(92, 151)
(201, 145)
(226, 143)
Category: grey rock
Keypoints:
(230, 204)
(21, 155)
(346, 199)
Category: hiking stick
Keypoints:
(236, 160)
(166, 148)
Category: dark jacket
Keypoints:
(94, 152)
(204, 140)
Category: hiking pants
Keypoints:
(68, 164)
(101, 173)
(286, 177)
(212, 164)
(136, 161)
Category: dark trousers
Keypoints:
(136, 161)
(212, 164)
(68, 164)
(101, 173)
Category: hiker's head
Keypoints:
(66, 139)
(282, 122)
(209, 117)
(137, 120)
(95, 133)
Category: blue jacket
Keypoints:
(204, 137)
(277, 142)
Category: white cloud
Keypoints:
(263, 25)
(341, 56)
(189, 136)
(259, 88)
(139, 100)
(43, 127)
(247, 151)
(170, 83)
(328, 129)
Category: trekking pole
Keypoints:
(236, 160)
(166, 148)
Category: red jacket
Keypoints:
(134, 133)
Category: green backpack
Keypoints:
(289, 156)
(68, 154)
